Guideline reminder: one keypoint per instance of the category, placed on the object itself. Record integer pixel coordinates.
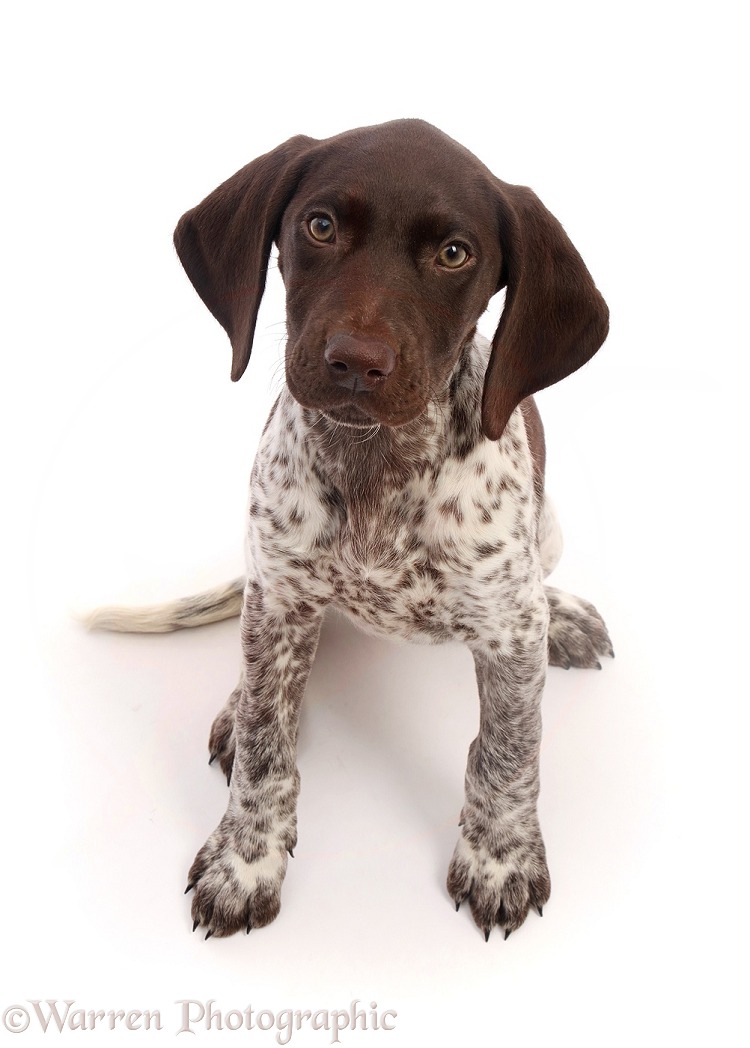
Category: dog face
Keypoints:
(392, 239)
(388, 263)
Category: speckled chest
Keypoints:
(445, 552)
(438, 556)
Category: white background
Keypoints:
(126, 454)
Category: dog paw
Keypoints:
(221, 741)
(500, 889)
(237, 889)
(577, 634)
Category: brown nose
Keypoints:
(358, 364)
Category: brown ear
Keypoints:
(554, 318)
(225, 241)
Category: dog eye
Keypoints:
(321, 228)
(453, 256)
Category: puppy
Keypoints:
(400, 478)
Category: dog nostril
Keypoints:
(358, 363)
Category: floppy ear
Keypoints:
(225, 241)
(554, 318)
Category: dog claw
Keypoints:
(189, 887)
(507, 934)
(212, 758)
(209, 933)
(539, 911)
(458, 906)
(229, 779)
(195, 924)
(291, 853)
(487, 934)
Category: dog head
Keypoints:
(392, 240)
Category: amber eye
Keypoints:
(321, 228)
(453, 256)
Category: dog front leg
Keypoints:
(237, 874)
(499, 864)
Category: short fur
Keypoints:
(400, 477)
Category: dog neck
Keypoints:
(366, 464)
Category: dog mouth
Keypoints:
(361, 409)
(350, 414)
(365, 412)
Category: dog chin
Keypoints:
(350, 415)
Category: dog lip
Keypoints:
(342, 413)
(352, 412)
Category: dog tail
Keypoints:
(212, 605)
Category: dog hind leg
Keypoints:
(221, 741)
(577, 635)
